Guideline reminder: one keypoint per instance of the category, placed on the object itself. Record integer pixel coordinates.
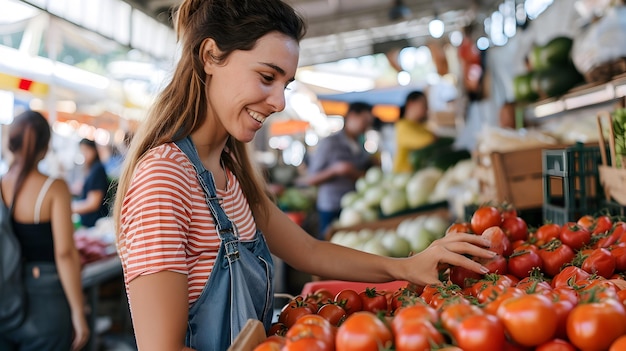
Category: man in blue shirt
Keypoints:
(338, 162)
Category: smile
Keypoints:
(257, 116)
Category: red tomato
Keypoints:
(595, 326)
(515, 228)
(349, 300)
(412, 313)
(333, 313)
(500, 243)
(530, 320)
(569, 276)
(555, 255)
(586, 222)
(492, 306)
(272, 343)
(373, 301)
(362, 331)
(416, 335)
(459, 227)
(600, 262)
(556, 345)
(534, 283)
(485, 217)
(310, 331)
(563, 309)
(575, 236)
(479, 332)
(507, 211)
(601, 225)
(291, 313)
(522, 261)
(454, 314)
(277, 329)
(619, 344)
(495, 264)
(619, 254)
(319, 297)
(463, 277)
(309, 344)
(547, 232)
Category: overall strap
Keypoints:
(225, 228)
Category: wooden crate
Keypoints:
(252, 334)
(516, 177)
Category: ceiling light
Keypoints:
(436, 27)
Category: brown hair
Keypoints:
(29, 137)
(180, 109)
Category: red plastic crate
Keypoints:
(335, 286)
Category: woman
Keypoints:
(411, 131)
(182, 250)
(42, 221)
(92, 204)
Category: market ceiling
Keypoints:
(339, 29)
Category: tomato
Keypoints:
(556, 345)
(619, 344)
(349, 300)
(495, 264)
(485, 217)
(575, 236)
(459, 227)
(596, 288)
(569, 276)
(291, 313)
(492, 306)
(601, 225)
(309, 344)
(530, 320)
(333, 313)
(507, 211)
(534, 283)
(619, 255)
(586, 222)
(600, 262)
(479, 332)
(522, 261)
(415, 335)
(310, 331)
(547, 232)
(413, 313)
(490, 286)
(319, 297)
(362, 331)
(499, 242)
(595, 326)
(404, 297)
(277, 329)
(515, 228)
(272, 343)
(452, 315)
(562, 308)
(373, 301)
(463, 277)
(555, 255)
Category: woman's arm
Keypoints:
(91, 203)
(159, 305)
(67, 259)
(303, 252)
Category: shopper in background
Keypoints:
(411, 131)
(192, 210)
(42, 222)
(92, 203)
(337, 162)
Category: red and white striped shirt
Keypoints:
(166, 224)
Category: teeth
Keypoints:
(257, 116)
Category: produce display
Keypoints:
(549, 288)
(411, 235)
(552, 72)
(619, 130)
(386, 194)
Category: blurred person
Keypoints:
(92, 202)
(410, 130)
(337, 162)
(194, 220)
(55, 318)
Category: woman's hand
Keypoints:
(81, 331)
(423, 268)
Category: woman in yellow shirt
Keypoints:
(411, 131)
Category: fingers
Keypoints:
(462, 261)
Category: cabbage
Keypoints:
(396, 246)
(349, 198)
(374, 175)
(349, 217)
(394, 202)
(420, 185)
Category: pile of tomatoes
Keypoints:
(553, 288)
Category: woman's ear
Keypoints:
(208, 53)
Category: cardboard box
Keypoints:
(614, 182)
(252, 334)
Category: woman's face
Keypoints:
(416, 110)
(88, 153)
(250, 85)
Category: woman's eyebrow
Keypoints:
(274, 67)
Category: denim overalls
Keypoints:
(240, 285)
